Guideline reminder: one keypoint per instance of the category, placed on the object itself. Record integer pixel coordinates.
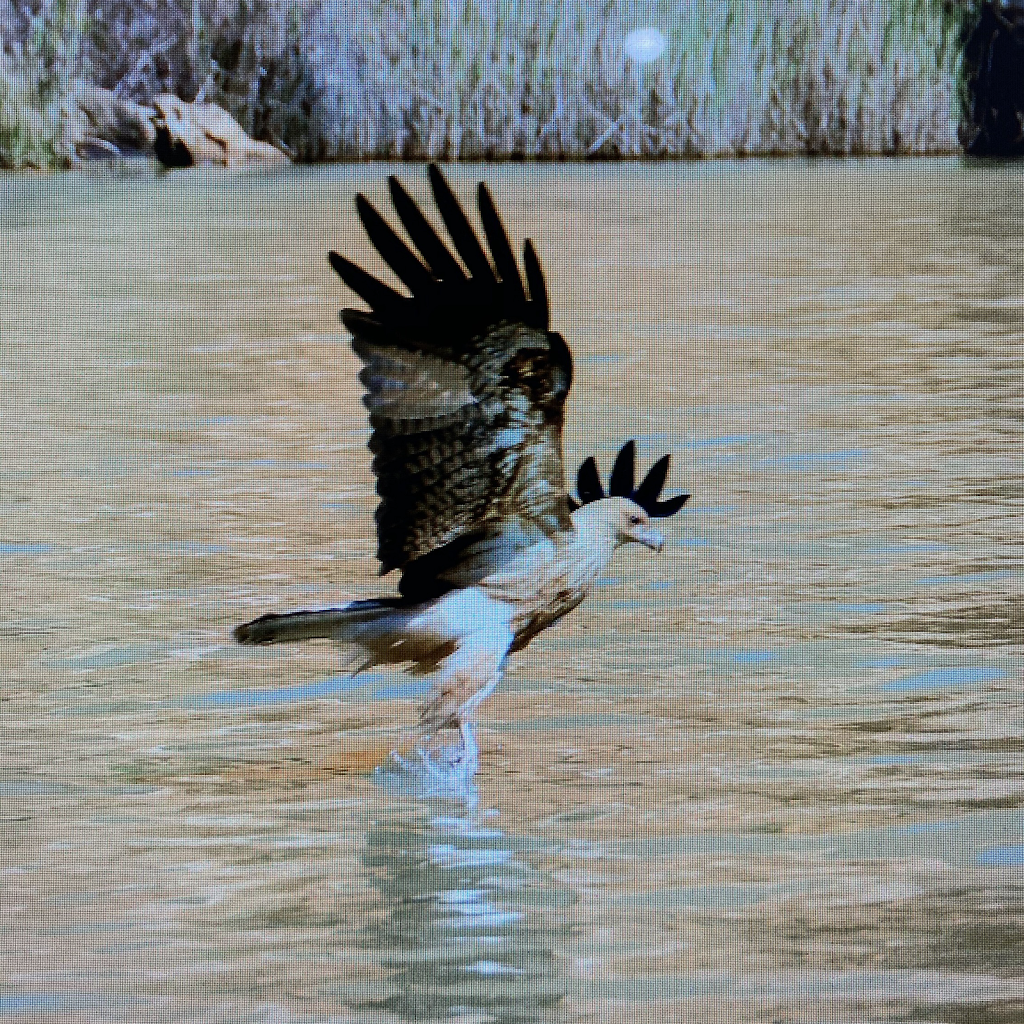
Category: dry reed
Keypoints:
(506, 79)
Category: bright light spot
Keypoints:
(644, 45)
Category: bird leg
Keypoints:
(479, 631)
(467, 757)
(470, 705)
(467, 677)
(469, 754)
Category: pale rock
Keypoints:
(100, 125)
(203, 133)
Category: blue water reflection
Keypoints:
(11, 548)
(1002, 857)
(752, 657)
(940, 677)
(286, 694)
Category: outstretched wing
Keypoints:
(465, 387)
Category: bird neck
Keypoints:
(592, 546)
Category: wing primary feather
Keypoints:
(663, 509)
(540, 313)
(623, 475)
(365, 331)
(501, 248)
(379, 296)
(396, 254)
(651, 485)
(588, 482)
(466, 243)
(443, 264)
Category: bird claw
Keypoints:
(437, 769)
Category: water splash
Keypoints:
(435, 769)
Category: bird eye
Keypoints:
(635, 520)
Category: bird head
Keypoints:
(616, 521)
(633, 525)
(628, 508)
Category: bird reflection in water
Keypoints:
(455, 938)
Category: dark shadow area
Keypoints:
(994, 80)
(169, 151)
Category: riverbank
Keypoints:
(327, 80)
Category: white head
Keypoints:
(619, 520)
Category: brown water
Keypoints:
(772, 775)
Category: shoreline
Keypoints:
(150, 168)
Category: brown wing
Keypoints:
(465, 387)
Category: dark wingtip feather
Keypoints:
(443, 264)
(461, 231)
(501, 247)
(395, 253)
(540, 312)
(651, 485)
(623, 477)
(664, 509)
(359, 321)
(588, 482)
(376, 294)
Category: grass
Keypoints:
(37, 64)
(520, 79)
(418, 79)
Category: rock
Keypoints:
(203, 133)
(99, 125)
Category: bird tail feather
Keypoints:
(384, 630)
(360, 622)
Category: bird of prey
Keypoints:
(465, 387)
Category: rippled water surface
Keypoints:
(772, 775)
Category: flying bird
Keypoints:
(466, 387)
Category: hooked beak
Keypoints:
(649, 537)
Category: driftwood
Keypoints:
(100, 126)
(203, 133)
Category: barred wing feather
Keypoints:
(465, 386)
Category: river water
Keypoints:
(773, 774)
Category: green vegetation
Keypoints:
(497, 79)
(37, 65)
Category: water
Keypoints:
(771, 775)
